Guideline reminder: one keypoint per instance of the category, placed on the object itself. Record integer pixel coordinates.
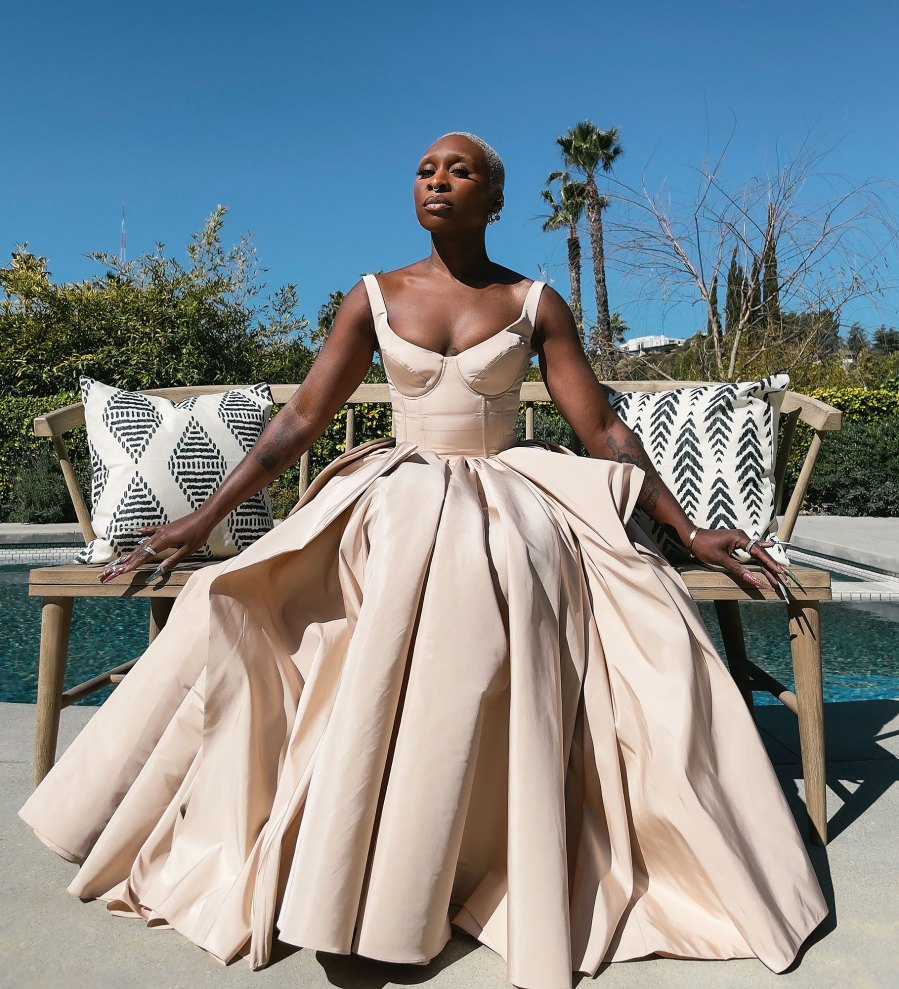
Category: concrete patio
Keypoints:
(867, 542)
(49, 939)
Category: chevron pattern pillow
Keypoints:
(154, 461)
(715, 447)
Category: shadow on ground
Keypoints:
(861, 766)
(855, 946)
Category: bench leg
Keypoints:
(805, 643)
(159, 614)
(728, 613)
(56, 622)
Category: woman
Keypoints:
(455, 686)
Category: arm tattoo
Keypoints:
(649, 496)
(636, 455)
(627, 454)
(276, 453)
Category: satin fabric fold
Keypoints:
(446, 690)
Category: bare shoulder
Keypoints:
(554, 317)
(551, 301)
(357, 298)
(354, 314)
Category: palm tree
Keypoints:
(586, 148)
(566, 214)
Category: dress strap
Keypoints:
(375, 298)
(532, 300)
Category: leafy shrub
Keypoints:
(151, 322)
(869, 404)
(857, 471)
(21, 451)
(38, 493)
(861, 408)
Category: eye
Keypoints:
(456, 170)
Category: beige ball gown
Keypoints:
(455, 687)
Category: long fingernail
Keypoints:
(160, 572)
(752, 579)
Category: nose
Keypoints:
(436, 183)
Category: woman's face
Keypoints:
(452, 186)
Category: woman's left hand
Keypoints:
(716, 546)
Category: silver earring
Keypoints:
(493, 215)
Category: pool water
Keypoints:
(860, 642)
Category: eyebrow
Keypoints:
(458, 154)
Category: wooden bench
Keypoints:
(58, 586)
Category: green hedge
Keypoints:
(857, 472)
(31, 486)
(854, 476)
(860, 403)
(857, 468)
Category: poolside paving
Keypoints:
(867, 542)
(50, 939)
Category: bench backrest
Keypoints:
(820, 417)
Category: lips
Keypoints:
(436, 204)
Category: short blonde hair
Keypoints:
(495, 166)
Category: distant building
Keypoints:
(642, 345)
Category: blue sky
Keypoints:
(307, 120)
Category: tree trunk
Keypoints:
(714, 322)
(603, 319)
(574, 275)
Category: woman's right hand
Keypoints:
(185, 535)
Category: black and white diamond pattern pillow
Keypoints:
(715, 447)
(154, 461)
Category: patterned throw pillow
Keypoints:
(154, 461)
(715, 447)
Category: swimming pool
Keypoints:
(860, 642)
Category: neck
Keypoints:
(463, 258)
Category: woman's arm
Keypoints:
(335, 374)
(580, 398)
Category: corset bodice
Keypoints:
(459, 404)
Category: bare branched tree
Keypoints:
(792, 248)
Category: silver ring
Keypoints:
(148, 549)
(751, 543)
